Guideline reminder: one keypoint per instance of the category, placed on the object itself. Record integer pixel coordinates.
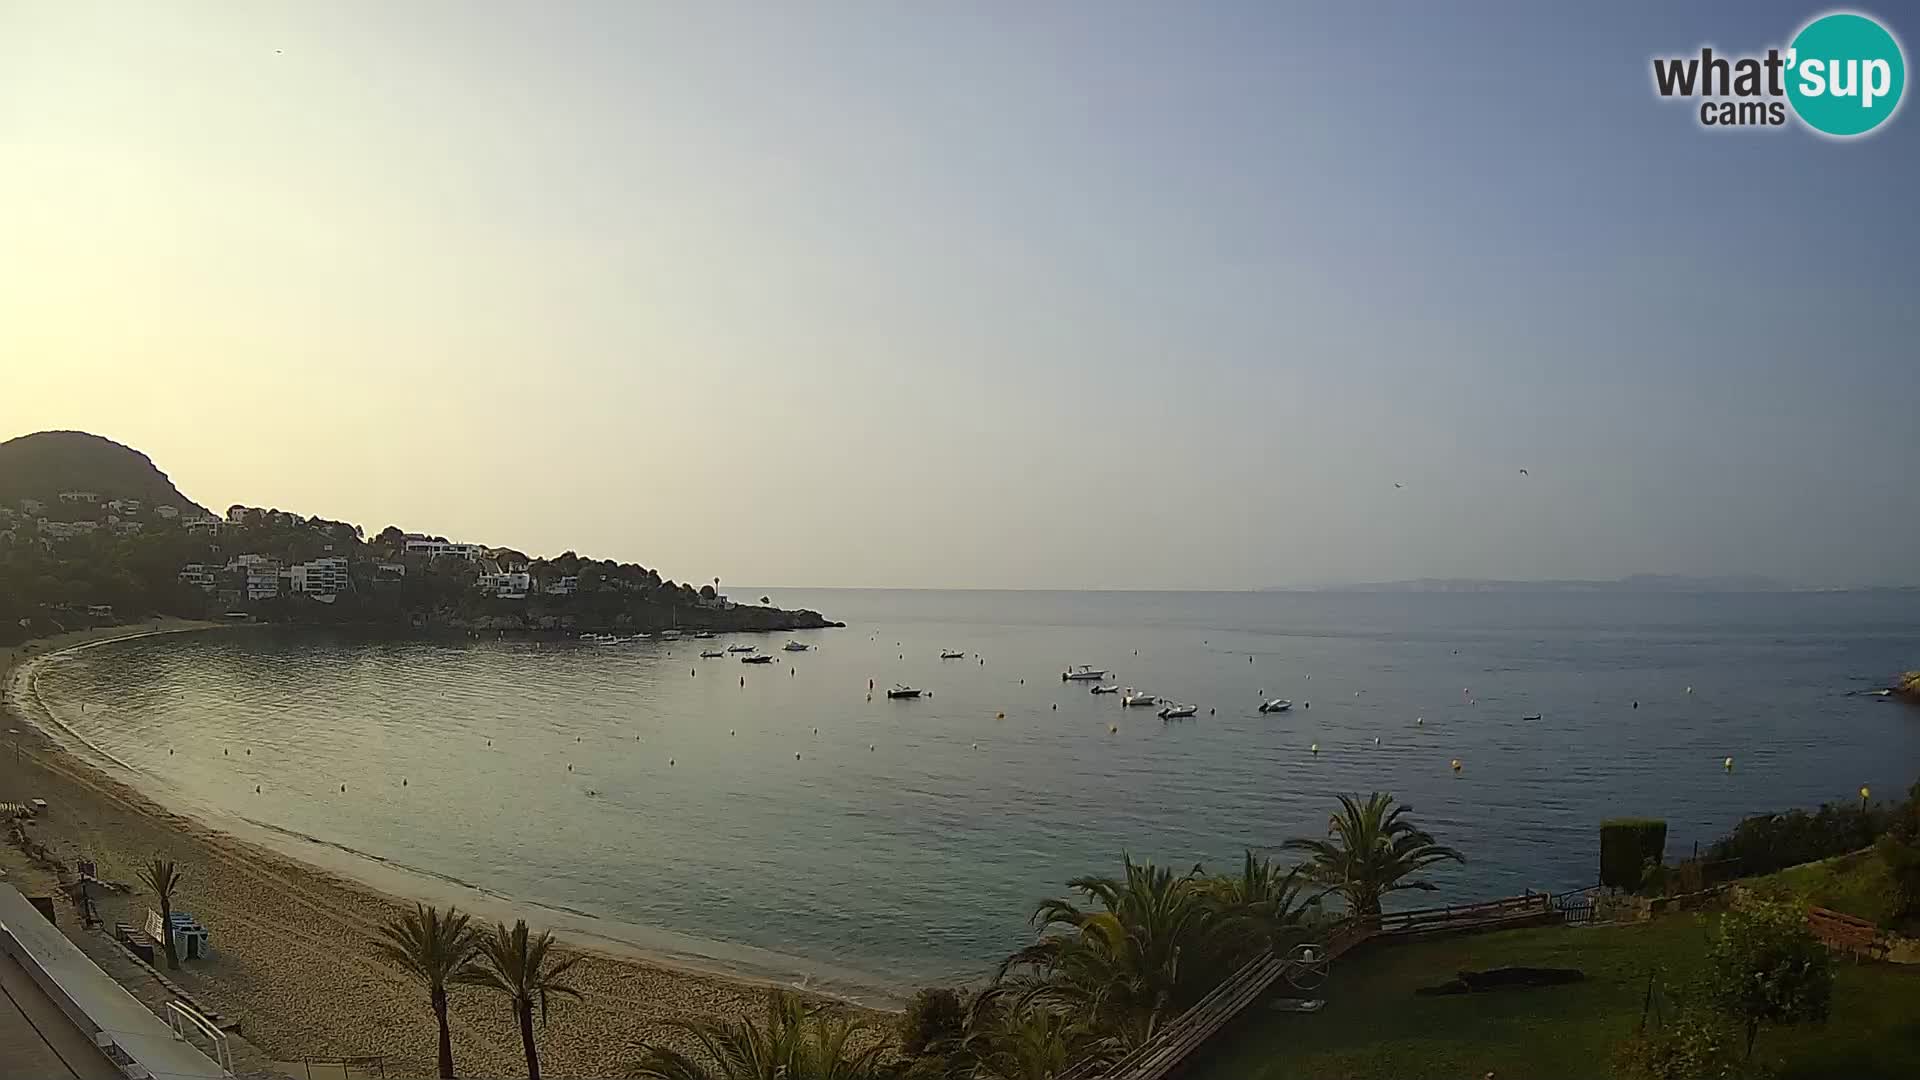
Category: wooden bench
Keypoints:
(1845, 933)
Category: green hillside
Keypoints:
(42, 465)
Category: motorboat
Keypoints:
(757, 658)
(1083, 672)
(601, 639)
(1138, 697)
(796, 646)
(952, 654)
(1178, 712)
(903, 692)
(703, 634)
(1105, 690)
(740, 648)
(1278, 704)
(1535, 716)
(711, 654)
(669, 633)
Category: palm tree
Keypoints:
(1153, 946)
(435, 949)
(797, 1042)
(163, 877)
(1010, 1035)
(523, 967)
(1265, 901)
(1370, 851)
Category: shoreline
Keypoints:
(293, 916)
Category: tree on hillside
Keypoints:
(1371, 849)
(1764, 966)
(435, 949)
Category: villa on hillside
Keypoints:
(321, 577)
(168, 512)
(434, 548)
(79, 496)
(65, 530)
(563, 586)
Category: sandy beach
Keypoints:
(292, 961)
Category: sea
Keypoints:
(790, 820)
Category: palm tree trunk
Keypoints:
(446, 1036)
(166, 933)
(525, 1009)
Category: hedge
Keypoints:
(1626, 846)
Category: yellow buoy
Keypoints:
(1456, 764)
(1865, 793)
(1111, 728)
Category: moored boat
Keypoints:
(1083, 671)
(952, 654)
(796, 646)
(1138, 697)
(757, 658)
(1276, 705)
(903, 692)
(1105, 690)
(1178, 712)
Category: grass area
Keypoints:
(1856, 884)
(1374, 1027)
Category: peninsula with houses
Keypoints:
(91, 531)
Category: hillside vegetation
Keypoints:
(42, 465)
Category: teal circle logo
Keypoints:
(1845, 73)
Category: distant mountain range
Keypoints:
(1641, 583)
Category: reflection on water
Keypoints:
(910, 840)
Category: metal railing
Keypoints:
(185, 1021)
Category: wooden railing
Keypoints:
(1171, 1046)
(1845, 933)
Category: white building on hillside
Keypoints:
(507, 584)
(435, 548)
(200, 576)
(321, 577)
(563, 586)
(263, 575)
(168, 512)
(65, 530)
(79, 496)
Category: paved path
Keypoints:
(37, 1039)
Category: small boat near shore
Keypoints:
(1105, 690)
(703, 634)
(740, 648)
(796, 646)
(757, 658)
(1178, 712)
(1278, 704)
(900, 691)
(1083, 672)
(711, 654)
(952, 654)
(1134, 697)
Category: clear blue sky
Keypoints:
(995, 295)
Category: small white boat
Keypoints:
(1136, 697)
(796, 646)
(703, 634)
(740, 648)
(601, 639)
(1178, 712)
(1083, 671)
(1278, 704)
(952, 654)
(711, 654)
(757, 658)
(903, 692)
(669, 633)
(1105, 690)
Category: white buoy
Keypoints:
(870, 746)
(1376, 740)
(1419, 721)
(1456, 764)
(1315, 748)
(1729, 764)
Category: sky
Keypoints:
(1072, 295)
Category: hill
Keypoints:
(44, 464)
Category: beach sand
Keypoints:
(291, 956)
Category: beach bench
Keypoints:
(1845, 933)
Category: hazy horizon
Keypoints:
(845, 295)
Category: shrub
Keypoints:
(1694, 1045)
(935, 1016)
(1626, 845)
(1768, 842)
(1764, 966)
(1902, 860)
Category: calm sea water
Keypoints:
(908, 841)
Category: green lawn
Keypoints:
(1374, 1026)
(1857, 884)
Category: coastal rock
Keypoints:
(1907, 687)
